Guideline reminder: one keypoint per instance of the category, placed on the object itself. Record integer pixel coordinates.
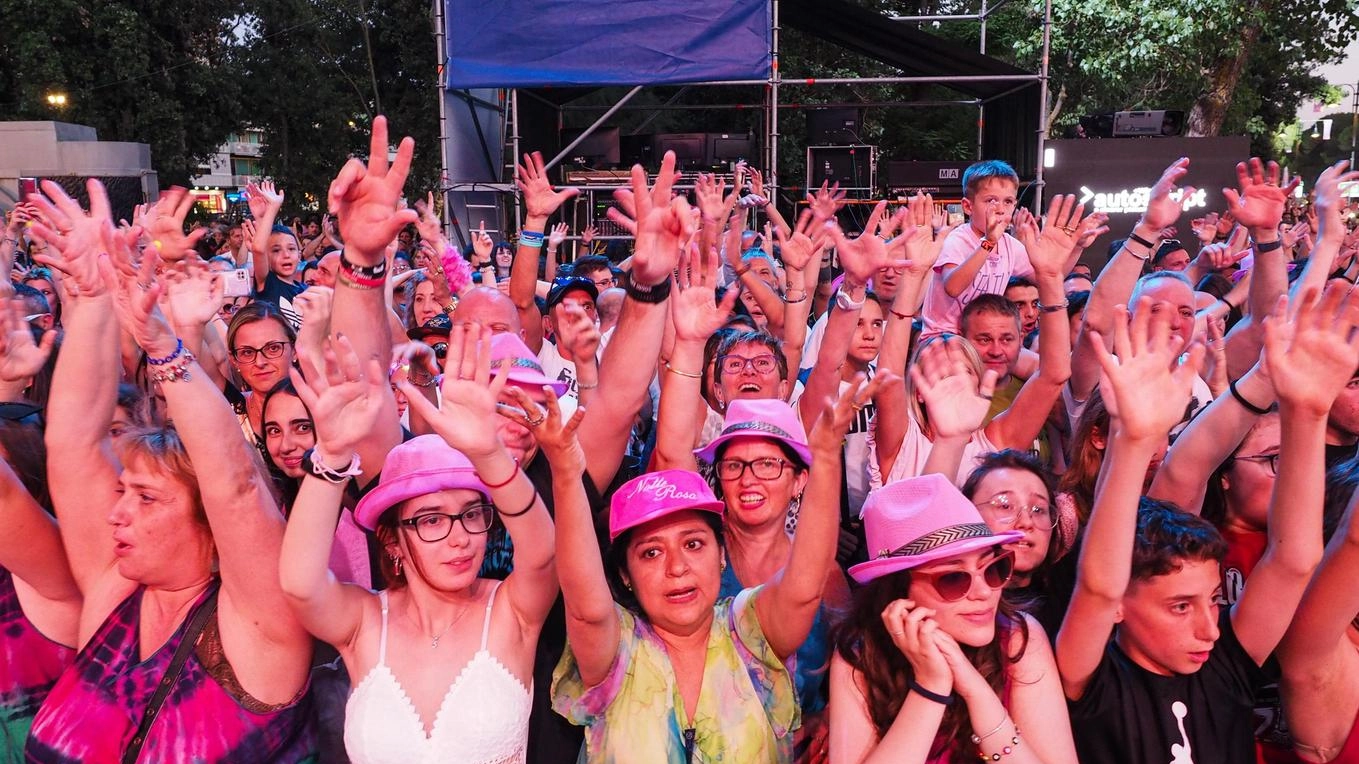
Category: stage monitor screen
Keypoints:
(732, 148)
(600, 149)
(691, 149)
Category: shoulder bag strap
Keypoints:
(167, 682)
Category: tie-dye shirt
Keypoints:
(747, 709)
(94, 710)
(29, 665)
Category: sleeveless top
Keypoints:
(29, 665)
(483, 718)
(96, 706)
(809, 664)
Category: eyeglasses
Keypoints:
(230, 308)
(1271, 461)
(953, 585)
(435, 526)
(765, 469)
(271, 350)
(605, 283)
(735, 364)
(1005, 510)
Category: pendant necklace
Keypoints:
(434, 641)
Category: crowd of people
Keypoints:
(756, 490)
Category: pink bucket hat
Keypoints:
(417, 467)
(657, 494)
(917, 521)
(525, 371)
(760, 418)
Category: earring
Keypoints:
(396, 560)
(724, 564)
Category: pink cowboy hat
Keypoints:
(417, 467)
(525, 371)
(767, 418)
(657, 494)
(917, 521)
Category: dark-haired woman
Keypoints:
(671, 672)
(931, 665)
(260, 341)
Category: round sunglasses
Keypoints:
(953, 585)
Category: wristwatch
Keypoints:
(844, 302)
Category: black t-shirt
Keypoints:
(1338, 454)
(280, 293)
(1129, 715)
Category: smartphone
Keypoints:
(236, 283)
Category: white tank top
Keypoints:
(483, 718)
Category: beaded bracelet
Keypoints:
(174, 370)
(1005, 750)
(179, 348)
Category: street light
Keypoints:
(56, 99)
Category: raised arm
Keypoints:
(801, 261)
(265, 202)
(1115, 284)
(1331, 228)
(630, 359)
(540, 201)
(1210, 438)
(1146, 389)
(31, 549)
(364, 198)
(1311, 355)
(786, 607)
(695, 314)
(344, 397)
(956, 402)
(591, 620)
(958, 278)
(82, 472)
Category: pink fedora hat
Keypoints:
(525, 371)
(760, 418)
(917, 521)
(417, 467)
(657, 494)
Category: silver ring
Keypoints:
(535, 422)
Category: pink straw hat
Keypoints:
(917, 521)
(657, 494)
(767, 418)
(525, 371)
(420, 466)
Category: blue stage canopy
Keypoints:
(536, 43)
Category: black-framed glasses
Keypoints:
(271, 350)
(735, 364)
(435, 526)
(1271, 461)
(768, 468)
(953, 585)
(605, 283)
(1005, 509)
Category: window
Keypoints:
(245, 166)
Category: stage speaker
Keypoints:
(930, 177)
(855, 168)
(833, 126)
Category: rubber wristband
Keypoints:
(1134, 237)
(498, 486)
(1241, 399)
(1268, 246)
(900, 315)
(532, 500)
(943, 700)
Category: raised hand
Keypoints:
(482, 245)
(164, 224)
(193, 292)
(1216, 257)
(314, 306)
(1162, 208)
(862, 257)
(828, 433)
(466, 416)
(1092, 227)
(1050, 251)
(804, 244)
(557, 235)
(74, 239)
(825, 202)
(540, 200)
(434, 270)
(587, 236)
(711, 197)
(1329, 204)
(1205, 228)
(20, 356)
(913, 630)
(344, 396)
(922, 240)
(136, 292)
(1311, 349)
(1146, 383)
(694, 309)
(578, 332)
(365, 197)
(428, 224)
(556, 438)
(1291, 235)
(662, 223)
(757, 183)
(955, 399)
(1259, 204)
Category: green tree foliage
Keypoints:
(317, 71)
(153, 71)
